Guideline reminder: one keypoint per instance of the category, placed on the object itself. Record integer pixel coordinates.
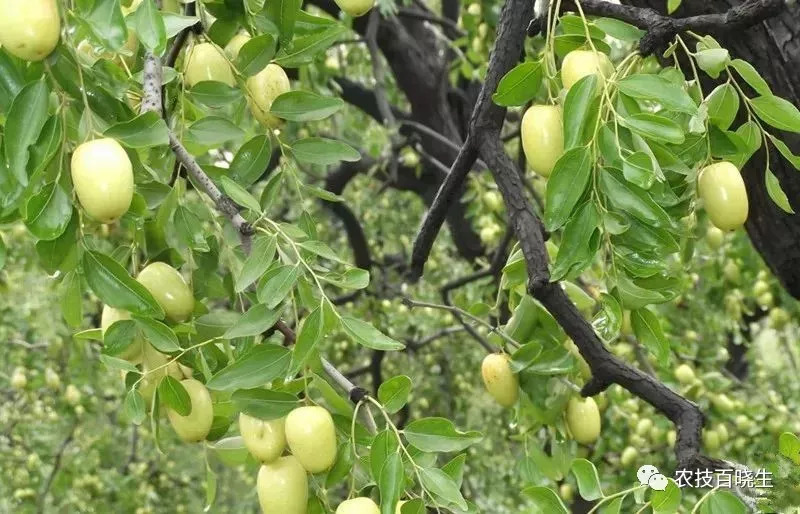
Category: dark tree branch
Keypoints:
(660, 29)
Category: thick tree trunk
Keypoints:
(773, 47)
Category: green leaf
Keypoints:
(259, 366)
(656, 88)
(566, 186)
(107, 23)
(383, 445)
(390, 482)
(441, 485)
(777, 112)
(212, 131)
(619, 29)
(751, 76)
(581, 100)
(189, 228)
(231, 451)
(158, 334)
(655, 127)
(251, 160)
(308, 336)
(712, 60)
(146, 21)
(303, 49)
(789, 447)
(71, 301)
(3, 252)
(174, 23)
(255, 54)
(174, 395)
(519, 85)
(257, 320)
(776, 192)
(143, 131)
(365, 334)
(276, 284)
(134, 407)
(112, 284)
(11, 81)
(633, 296)
(525, 356)
(588, 481)
(305, 106)
(393, 393)
(215, 94)
(284, 14)
(439, 435)
(667, 501)
(637, 168)
(545, 500)
(648, 330)
(24, 123)
(48, 212)
(723, 502)
(723, 104)
(239, 194)
(672, 5)
(321, 249)
(342, 468)
(119, 336)
(319, 150)
(264, 403)
(632, 200)
(576, 251)
(261, 256)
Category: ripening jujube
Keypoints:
(102, 175)
(542, 133)
(311, 436)
(724, 195)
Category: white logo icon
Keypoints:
(649, 475)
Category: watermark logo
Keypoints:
(649, 475)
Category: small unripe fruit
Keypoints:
(474, 9)
(580, 63)
(778, 318)
(732, 272)
(714, 237)
(359, 505)
(72, 395)
(264, 87)
(501, 382)
(567, 492)
(355, 8)
(265, 440)
(169, 289)
(722, 190)
(311, 436)
(711, 440)
(628, 456)
(644, 426)
(196, 425)
(583, 420)
(52, 379)
(766, 300)
(205, 62)
(542, 133)
(672, 436)
(684, 374)
(760, 287)
(102, 175)
(493, 200)
(29, 30)
(282, 487)
(722, 403)
(18, 379)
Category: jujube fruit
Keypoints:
(542, 133)
(282, 487)
(580, 63)
(235, 44)
(722, 190)
(264, 87)
(355, 8)
(196, 425)
(169, 289)
(31, 29)
(102, 175)
(205, 62)
(360, 505)
(311, 436)
(583, 420)
(265, 440)
(499, 379)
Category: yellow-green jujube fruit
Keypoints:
(265, 440)
(580, 63)
(360, 505)
(583, 420)
(684, 374)
(282, 487)
(714, 237)
(711, 440)
(628, 456)
(197, 424)
(355, 8)
(499, 379)
(542, 137)
(235, 44)
(205, 62)
(722, 190)
(169, 289)
(263, 88)
(29, 30)
(109, 316)
(102, 175)
(311, 437)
